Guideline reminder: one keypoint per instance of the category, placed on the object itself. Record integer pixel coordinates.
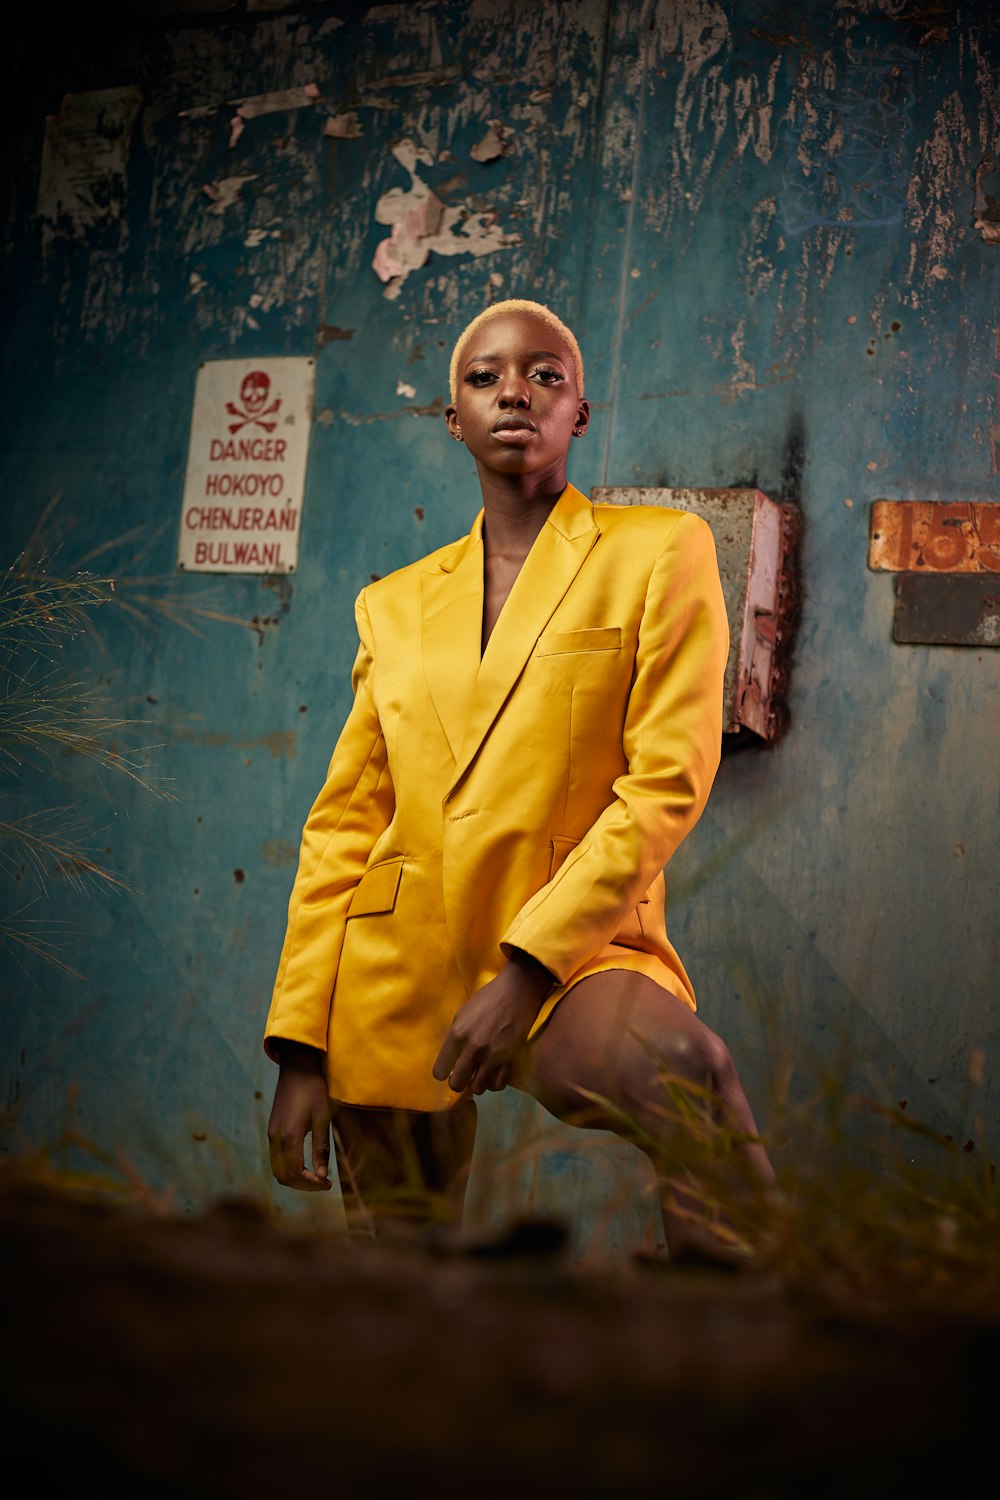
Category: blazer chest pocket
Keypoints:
(376, 890)
(569, 642)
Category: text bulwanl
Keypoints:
(238, 554)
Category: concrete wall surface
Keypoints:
(759, 220)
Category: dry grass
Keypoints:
(53, 722)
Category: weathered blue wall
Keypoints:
(759, 220)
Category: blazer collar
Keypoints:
(467, 692)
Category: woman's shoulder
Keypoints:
(658, 522)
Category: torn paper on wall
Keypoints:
(422, 225)
(82, 182)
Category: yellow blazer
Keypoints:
(527, 799)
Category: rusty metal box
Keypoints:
(757, 541)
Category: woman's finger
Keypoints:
(320, 1132)
(492, 1077)
(465, 1069)
(501, 1078)
(451, 1051)
(287, 1154)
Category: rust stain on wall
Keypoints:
(327, 333)
(277, 853)
(282, 743)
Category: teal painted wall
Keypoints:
(759, 220)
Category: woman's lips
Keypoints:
(514, 430)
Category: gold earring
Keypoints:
(458, 437)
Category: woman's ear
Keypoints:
(582, 419)
(452, 423)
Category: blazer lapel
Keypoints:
(556, 556)
(452, 632)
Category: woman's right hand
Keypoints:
(301, 1107)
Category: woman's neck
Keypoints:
(516, 508)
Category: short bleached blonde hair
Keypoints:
(516, 305)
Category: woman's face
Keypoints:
(517, 406)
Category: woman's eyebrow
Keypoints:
(486, 359)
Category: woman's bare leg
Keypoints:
(402, 1166)
(672, 1088)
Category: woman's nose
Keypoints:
(514, 390)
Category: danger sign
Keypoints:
(246, 466)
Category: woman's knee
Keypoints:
(678, 1057)
(623, 1040)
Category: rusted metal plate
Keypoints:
(756, 541)
(947, 611)
(934, 536)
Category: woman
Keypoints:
(479, 900)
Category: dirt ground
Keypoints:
(230, 1354)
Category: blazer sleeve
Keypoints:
(356, 804)
(672, 743)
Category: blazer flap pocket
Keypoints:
(561, 643)
(560, 849)
(376, 889)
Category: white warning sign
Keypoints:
(246, 467)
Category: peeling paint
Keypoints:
(496, 142)
(344, 127)
(402, 389)
(422, 224)
(84, 156)
(940, 162)
(225, 192)
(986, 208)
(255, 105)
(430, 77)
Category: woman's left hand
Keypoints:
(480, 1049)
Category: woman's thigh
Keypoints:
(380, 1151)
(617, 1035)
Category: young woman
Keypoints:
(479, 899)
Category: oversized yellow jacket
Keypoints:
(526, 799)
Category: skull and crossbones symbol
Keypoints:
(253, 394)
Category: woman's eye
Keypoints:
(480, 377)
(547, 376)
